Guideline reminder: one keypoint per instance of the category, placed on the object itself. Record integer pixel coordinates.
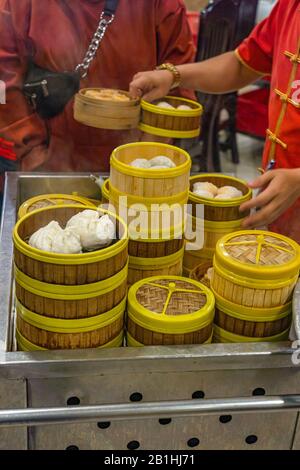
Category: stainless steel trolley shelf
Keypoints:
(219, 396)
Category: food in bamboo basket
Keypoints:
(159, 162)
(46, 200)
(94, 232)
(41, 332)
(256, 269)
(166, 310)
(210, 191)
(69, 286)
(174, 117)
(106, 109)
(54, 239)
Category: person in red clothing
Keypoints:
(56, 35)
(272, 49)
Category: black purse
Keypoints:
(49, 92)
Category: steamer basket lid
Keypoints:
(259, 254)
(171, 304)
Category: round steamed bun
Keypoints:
(205, 186)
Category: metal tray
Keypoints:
(219, 396)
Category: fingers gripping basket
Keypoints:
(166, 310)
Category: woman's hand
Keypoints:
(279, 190)
(151, 85)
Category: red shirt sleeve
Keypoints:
(175, 39)
(17, 122)
(256, 52)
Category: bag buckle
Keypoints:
(43, 84)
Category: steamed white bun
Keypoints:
(141, 163)
(164, 104)
(184, 107)
(162, 161)
(231, 191)
(94, 233)
(205, 186)
(203, 193)
(54, 239)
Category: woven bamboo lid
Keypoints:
(171, 304)
(258, 254)
(47, 200)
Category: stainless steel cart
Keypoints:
(220, 396)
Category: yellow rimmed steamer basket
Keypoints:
(48, 200)
(169, 310)
(55, 288)
(172, 123)
(157, 199)
(253, 279)
(106, 114)
(215, 218)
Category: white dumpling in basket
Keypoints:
(184, 107)
(205, 186)
(204, 194)
(162, 161)
(230, 191)
(164, 104)
(94, 233)
(54, 239)
(141, 163)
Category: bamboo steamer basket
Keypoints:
(220, 210)
(148, 183)
(48, 200)
(169, 310)
(68, 286)
(223, 336)
(141, 268)
(106, 114)
(200, 273)
(256, 269)
(173, 123)
(252, 322)
(133, 343)
(160, 244)
(50, 333)
(25, 345)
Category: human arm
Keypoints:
(279, 190)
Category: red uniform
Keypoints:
(57, 33)
(274, 48)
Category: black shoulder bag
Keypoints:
(49, 92)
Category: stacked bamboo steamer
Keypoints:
(220, 217)
(47, 200)
(157, 199)
(253, 279)
(69, 301)
(169, 310)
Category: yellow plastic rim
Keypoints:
(153, 174)
(195, 112)
(71, 326)
(156, 263)
(132, 342)
(228, 337)
(219, 203)
(174, 134)
(79, 292)
(83, 258)
(162, 323)
(26, 345)
(253, 314)
(23, 209)
(181, 198)
(283, 274)
(105, 190)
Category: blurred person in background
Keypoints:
(56, 34)
(272, 49)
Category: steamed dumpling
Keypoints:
(94, 232)
(162, 161)
(231, 191)
(54, 239)
(184, 107)
(164, 104)
(224, 197)
(141, 163)
(203, 193)
(206, 186)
